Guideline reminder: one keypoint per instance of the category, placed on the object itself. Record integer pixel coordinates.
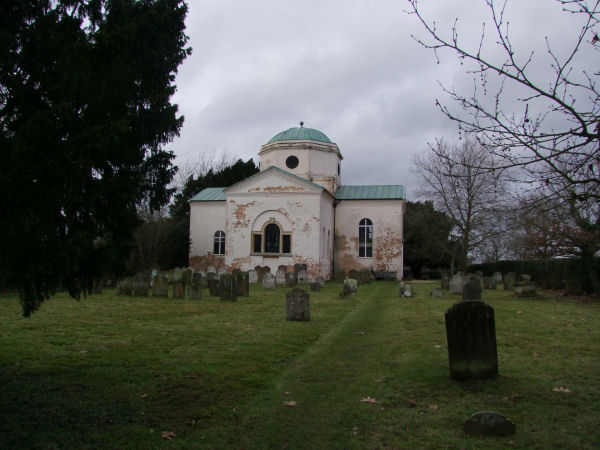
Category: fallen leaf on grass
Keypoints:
(82, 351)
(368, 400)
(144, 395)
(535, 355)
(355, 430)
(412, 403)
(562, 389)
(437, 346)
(290, 403)
(287, 393)
(433, 407)
(168, 435)
(519, 312)
(361, 332)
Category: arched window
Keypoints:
(272, 238)
(365, 239)
(219, 243)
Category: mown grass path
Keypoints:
(370, 371)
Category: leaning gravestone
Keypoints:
(268, 281)
(228, 288)
(160, 286)
(195, 287)
(509, 281)
(456, 283)
(297, 305)
(471, 290)
(488, 423)
(471, 336)
(405, 290)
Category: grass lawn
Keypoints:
(118, 372)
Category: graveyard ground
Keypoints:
(370, 371)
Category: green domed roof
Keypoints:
(300, 133)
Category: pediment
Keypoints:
(274, 181)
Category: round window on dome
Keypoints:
(291, 162)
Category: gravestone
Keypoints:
(97, 287)
(204, 278)
(320, 281)
(214, 287)
(471, 336)
(222, 270)
(140, 289)
(252, 276)
(302, 277)
(315, 286)
(187, 276)
(290, 280)
(211, 268)
(177, 275)
(456, 283)
(525, 277)
(259, 274)
(268, 281)
(405, 290)
(352, 285)
(242, 284)
(178, 289)
(365, 276)
(354, 274)
(488, 423)
(509, 281)
(280, 275)
(228, 288)
(490, 283)
(195, 287)
(524, 289)
(160, 286)
(471, 290)
(445, 282)
(125, 287)
(340, 276)
(297, 305)
(498, 277)
(297, 268)
(436, 293)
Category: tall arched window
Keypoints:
(219, 243)
(272, 238)
(365, 238)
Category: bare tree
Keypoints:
(469, 194)
(548, 127)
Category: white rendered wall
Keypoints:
(205, 219)
(387, 219)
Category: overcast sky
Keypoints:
(347, 68)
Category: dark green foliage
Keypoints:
(426, 237)
(225, 177)
(85, 111)
(574, 275)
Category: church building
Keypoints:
(297, 211)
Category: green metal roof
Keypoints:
(299, 134)
(379, 192)
(212, 194)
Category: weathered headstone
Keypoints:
(268, 281)
(471, 290)
(242, 284)
(456, 283)
(195, 287)
(302, 276)
(97, 287)
(187, 275)
(315, 286)
(436, 293)
(354, 274)
(125, 287)
(490, 283)
(365, 276)
(280, 275)
(340, 276)
(509, 281)
(204, 278)
(160, 286)
(214, 287)
(259, 274)
(297, 305)
(252, 276)
(221, 270)
(178, 289)
(177, 275)
(297, 268)
(320, 281)
(228, 288)
(471, 336)
(140, 289)
(290, 279)
(525, 277)
(498, 277)
(211, 268)
(524, 289)
(488, 423)
(445, 282)
(352, 285)
(405, 290)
